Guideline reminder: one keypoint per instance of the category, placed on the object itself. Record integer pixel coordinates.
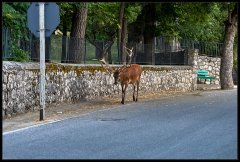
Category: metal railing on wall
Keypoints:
(174, 44)
(5, 43)
(166, 50)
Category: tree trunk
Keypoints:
(226, 79)
(77, 40)
(103, 49)
(35, 52)
(64, 43)
(121, 14)
(123, 41)
(35, 49)
(99, 45)
(109, 56)
(136, 39)
(47, 49)
(149, 17)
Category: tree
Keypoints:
(102, 27)
(149, 11)
(226, 79)
(65, 26)
(127, 14)
(143, 31)
(199, 21)
(78, 28)
(15, 20)
(120, 33)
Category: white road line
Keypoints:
(54, 121)
(36, 125)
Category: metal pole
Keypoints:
(42, 60)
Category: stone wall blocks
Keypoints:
(66, 86)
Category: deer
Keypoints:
(125, 75)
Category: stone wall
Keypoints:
(71, 82)
(212, 64)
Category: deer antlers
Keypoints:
(103, 62)
(130, 54)
(129, 51)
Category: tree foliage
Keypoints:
(102, 20)
(14, 17)
(199, 20)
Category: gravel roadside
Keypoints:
(55, 112)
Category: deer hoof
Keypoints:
(122, 102)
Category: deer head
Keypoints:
(115, 72)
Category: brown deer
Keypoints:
(127, 74)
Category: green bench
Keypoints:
(204, 74)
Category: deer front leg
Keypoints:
(124, 87)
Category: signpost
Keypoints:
(43, 18)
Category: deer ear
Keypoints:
(131, 48)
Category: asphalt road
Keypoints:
(199, 126)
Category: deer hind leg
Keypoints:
(124, 87)
(137, 91)
(134, 87)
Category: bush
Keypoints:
(19, 55)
